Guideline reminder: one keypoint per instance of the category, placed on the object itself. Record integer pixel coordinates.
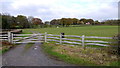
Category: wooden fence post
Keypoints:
(9, 37)
(83, 40)
(60, 38)
(39, 36)
(45, 36)
(12, 38)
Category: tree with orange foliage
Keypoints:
(37, 21)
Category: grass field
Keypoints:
(103, 31)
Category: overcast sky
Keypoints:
(54, 9)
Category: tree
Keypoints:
(22, 21)
(5, 21)
(37, 22)
(111, 22)
(83, 20)
(68, 21)
(62, 21)
(75, 21)
(10, 22)
(53, 22)
(30, 20)
(91, 21)
(13, 23)
(96, 22)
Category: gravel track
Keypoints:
(33, 56)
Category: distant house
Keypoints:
(47, 23)
(88, 23)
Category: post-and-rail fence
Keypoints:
(44, 37)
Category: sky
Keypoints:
(56, 9)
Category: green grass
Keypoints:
(0, 52)
(95, 46)
(4, 50)
(5, 47)
(117, 63)
(48, 49)
(103, 31)
(29, 45)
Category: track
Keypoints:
(33, 56)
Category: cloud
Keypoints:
(50, 9)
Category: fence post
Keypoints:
(39, 36)
(45, 36)
(60, 38)
(83, 40)
(9, 37)
(12, 38)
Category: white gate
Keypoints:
(23, 38)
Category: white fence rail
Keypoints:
(79, 40)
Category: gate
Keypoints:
(23, 38)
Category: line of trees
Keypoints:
(111, 22)
(75, 21)
(10, 22)
(72, 21)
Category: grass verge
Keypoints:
(78, 56)
(48, 48)
(5, 46)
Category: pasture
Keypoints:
(101, 31)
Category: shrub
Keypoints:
(115, 47)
